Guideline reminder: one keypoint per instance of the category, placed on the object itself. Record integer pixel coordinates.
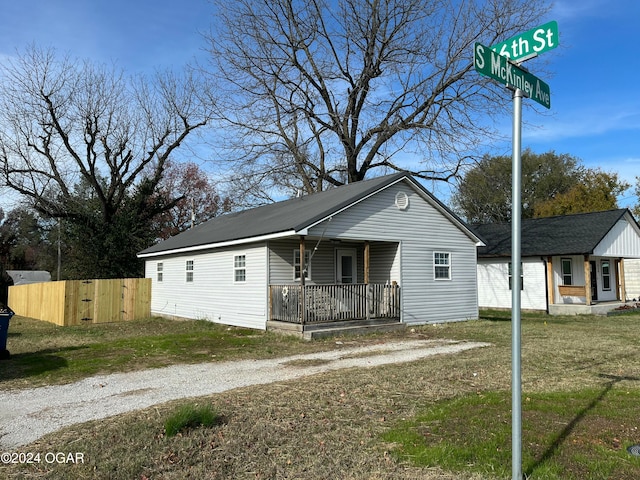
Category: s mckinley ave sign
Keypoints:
(496, 66)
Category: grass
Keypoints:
(190, 416)
(474, 433)
(44, 354)
(442, 418)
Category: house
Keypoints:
(632, 279)
(570, 263)
(383, 248)
(25, 277)
(19, 277)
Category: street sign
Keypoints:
(529, 44)
(496, 63)
(489, 63)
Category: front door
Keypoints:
(346, 270)
(594, 281)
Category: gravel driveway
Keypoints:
(26, 415)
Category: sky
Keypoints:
(593, 75)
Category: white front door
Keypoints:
(346, 271)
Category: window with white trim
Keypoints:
(441, 266)
(239, 268)
(605, 268)
(511, 276)
(189, 271)
(159, 270)
(296, 264)
(567, 271)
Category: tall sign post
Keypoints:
(516, 266)
(496, 63)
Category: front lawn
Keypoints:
(441, 418)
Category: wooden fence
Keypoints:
(75, 302)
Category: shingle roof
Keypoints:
(577, 234)
(291, 216)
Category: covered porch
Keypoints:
(305, 304)
(312, 311)
(600, 308)
(341, 284)
(585, 284)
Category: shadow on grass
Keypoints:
(32, 364)
(570, 427)
(496, 318)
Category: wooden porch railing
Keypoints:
(572, 290)
(332, 303)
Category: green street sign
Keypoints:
(529, 44)
(489, 63)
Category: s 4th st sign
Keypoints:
(529, 44)
(493, 65)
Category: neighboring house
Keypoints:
(570, 263)
(381, 248)
(25, 277)
(632, 278)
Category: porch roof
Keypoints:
(577, 234)
(287, 217)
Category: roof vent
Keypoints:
(402, 201)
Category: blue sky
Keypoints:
(593, 74)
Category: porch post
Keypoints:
(620, 280)
(551, 288)
(303, 307)
(587, 279)
(367, 303)
(366, 261)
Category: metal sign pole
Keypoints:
(516, 380)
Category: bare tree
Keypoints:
(199, 198)
(86, 144)
(322, 92)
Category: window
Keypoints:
(239, 268)
(296, 264)
(567, 276)
(441, 266)
(189, 270)
(606, 274)
(159, 270)
(511, 277)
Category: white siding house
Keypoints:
(494, 284)
(570, 263)
(632, 278)
(379, 248)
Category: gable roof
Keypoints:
(577, 234)
(289, 217)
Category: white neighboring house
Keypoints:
(381, 248)
(25, 277)
(632, 278)
(570, 263)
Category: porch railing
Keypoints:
(330, 303)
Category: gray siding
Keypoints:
(213, 295)
(384, 263)
(281, 261)
(421, 230)
(384, 266)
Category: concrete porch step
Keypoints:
(331, 329)
(352, 330)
